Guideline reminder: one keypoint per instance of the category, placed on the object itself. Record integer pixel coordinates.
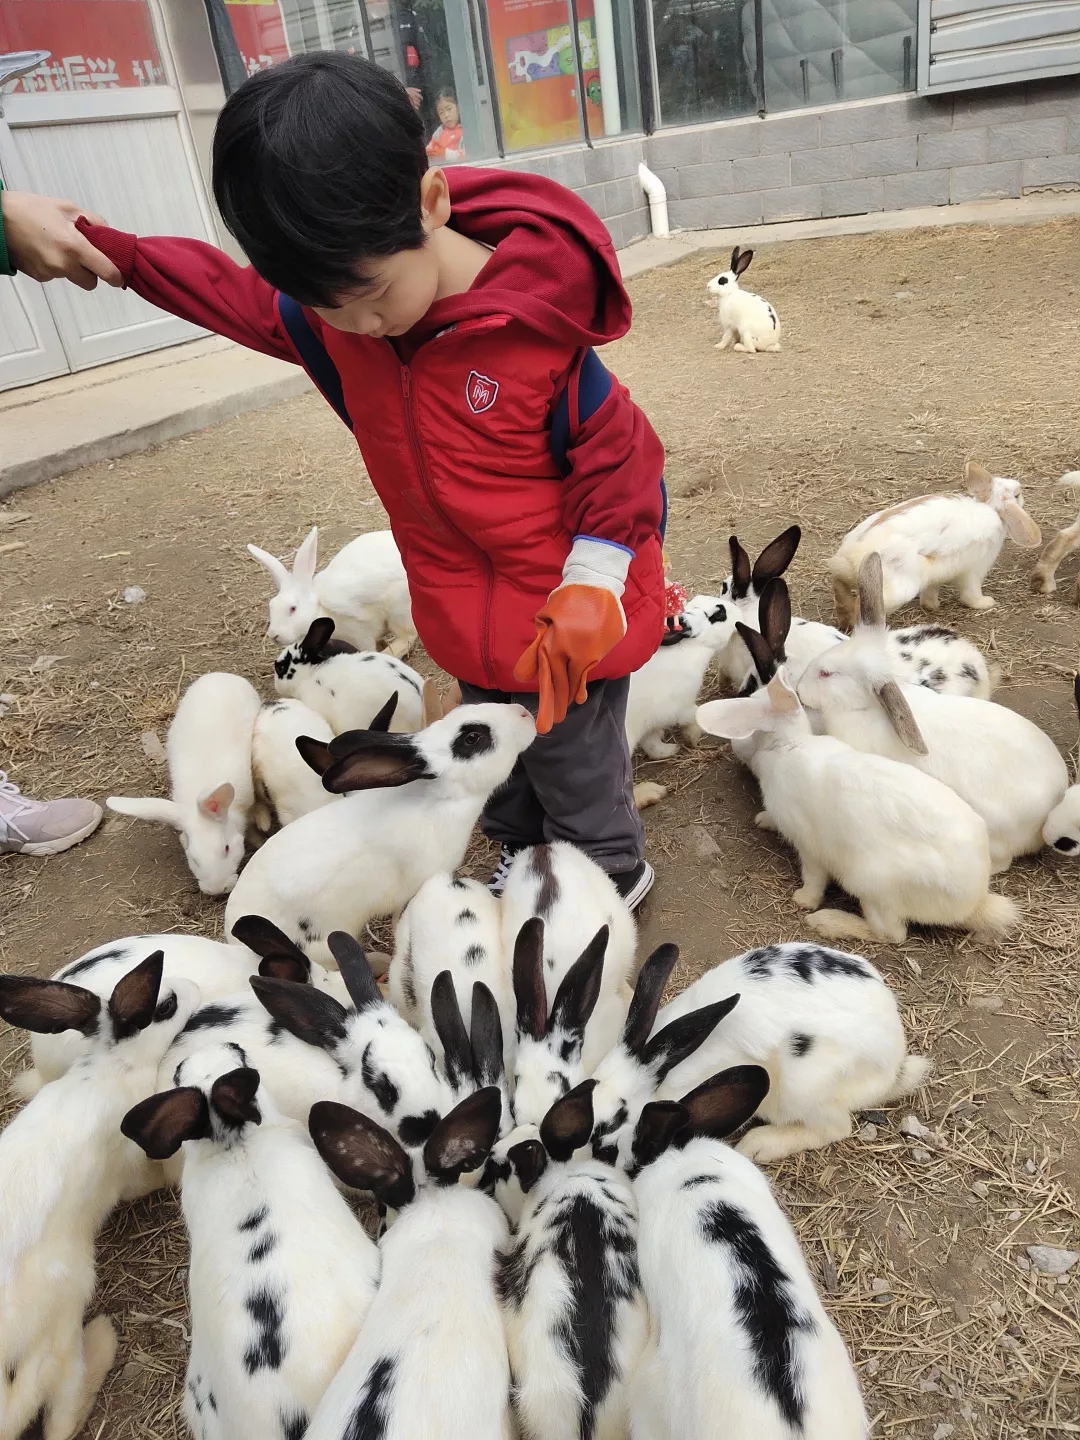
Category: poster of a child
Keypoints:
(446, 143)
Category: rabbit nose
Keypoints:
(522, 712)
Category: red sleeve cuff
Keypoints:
(116, 244)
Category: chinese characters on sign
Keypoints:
(95, 44)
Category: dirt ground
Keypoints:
(903, 355)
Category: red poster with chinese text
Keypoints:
(94, 44)
(535, 76)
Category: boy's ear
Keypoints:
(434, 200)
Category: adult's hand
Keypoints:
(42, 241)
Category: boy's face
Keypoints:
(394, 293)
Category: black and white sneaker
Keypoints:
(634, 885)
(501, 873)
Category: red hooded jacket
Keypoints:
(454, 423)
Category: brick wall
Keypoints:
(891, 154)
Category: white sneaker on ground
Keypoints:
(42, 827)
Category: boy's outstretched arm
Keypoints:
(188, 278)
(612, 503)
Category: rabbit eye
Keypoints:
(472, 740)
(722, 280)
(292, 609)
(166, 1009)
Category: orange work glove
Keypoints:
(574, 631)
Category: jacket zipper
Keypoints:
(486, 655)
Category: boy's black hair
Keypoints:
(317, 168)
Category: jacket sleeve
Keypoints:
(199, 283)
(612, 500)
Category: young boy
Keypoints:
(456, 308)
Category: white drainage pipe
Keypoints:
(657, 198)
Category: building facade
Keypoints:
(749, 111)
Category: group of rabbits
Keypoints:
(567, 1245)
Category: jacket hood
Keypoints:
(553, 265)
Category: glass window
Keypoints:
(95, 44)
(705, 60)
(819, 52)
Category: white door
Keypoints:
(103, 127)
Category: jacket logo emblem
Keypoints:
(481, 392)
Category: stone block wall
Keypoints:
(893, 154)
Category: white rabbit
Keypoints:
(347, 687)
(285, 785)
(552, 1036)
(740, 1343)
(385, 1068)
(902, 843)
(63, 1164)
(431, 1359)
(935, 540)
(209, 750)
(576, 1320)
(664, 692)
(282, 1276)
(823, 1024)
(454, 924)
(1062, 828)
(420, 796)
(1064, 543)
(746, 318)
(219, 971)
(363, 590)
(1007, 769)
(574, 898)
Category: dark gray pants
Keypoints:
(574, 783)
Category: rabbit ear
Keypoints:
(1020, 527)
(355, 970)
(311, 1015)
(724, 1102)
(579, 991)
(737, 719)
(569, 1123)
(782, 698)
(381, 722)
(318, 637)
(658, 1124)
(901, 719)
(48, 1007)
(735, 257)
(485, 1036)
(315, 753)
(530, 992)
(678, 1041)
(307, 557)
(272, 565)
(978, 480)
(774, 617)
(233, 1097)
(160, 1124)
(776, 557)
(740, 569)
(463, 1139)
(760, 649)
(450, 1028)
(743, 263)
(374, 762)
(159, 812)
(214, 804)
(872, 591)
(279, 957)
(134, 998)
(361, 1154)
(529, 1159)
(648, 993)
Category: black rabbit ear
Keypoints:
(1076, 693)
(530, 992)
(233, 1097)
(742, 264)
(462, 1140)
(361, 1153)
(658, 1125)
(361, 984)
(317, 637)
(724, 1102)
(311, 1015)
(486, 1036)
(315, 753)
(367, 760)
(760, 652)
(678, 1040)
(648, 992)
(579, 991)
(774, 618)
(740, 569)
(735, 257)
(382, 720)
(529, 1159)
(776, 557)
(280, 957)
(568, 1124)
(160, 1124)
(450, 1028)
(134, 998)
(48, 1007)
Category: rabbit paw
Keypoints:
(979, 602)
(764, 821)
